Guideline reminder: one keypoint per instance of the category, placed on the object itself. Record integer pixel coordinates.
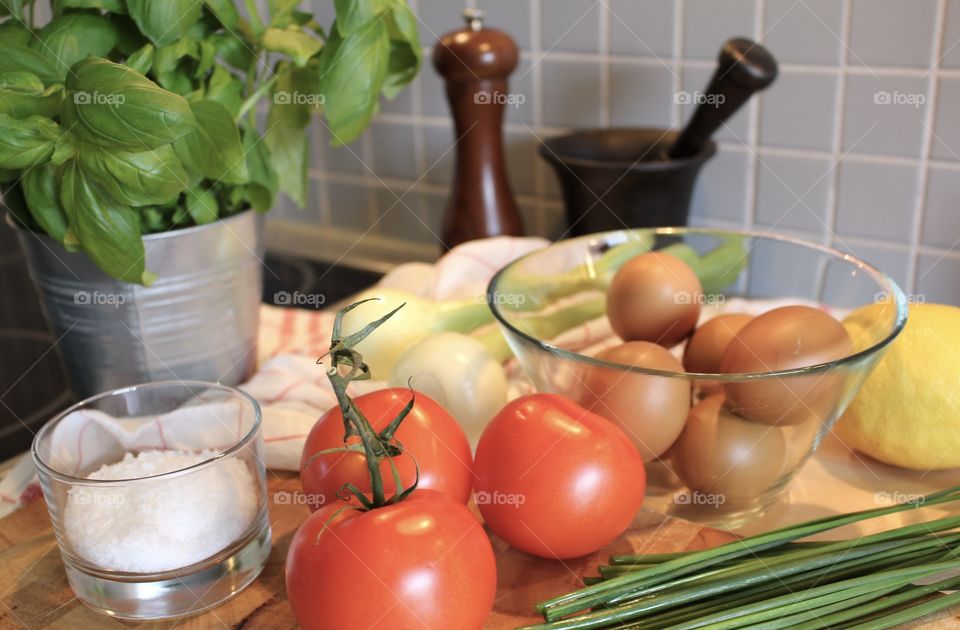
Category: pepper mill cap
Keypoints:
(475, 52)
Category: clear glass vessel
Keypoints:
(736, 466)
(189, 528)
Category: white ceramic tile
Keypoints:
(709, 23)
(884, 114)
(571, 93)
(941, 219)
(639, 27)
(803, 32)
(639, 95)
(892, 32)
(793, 192)
(797, 111)
(571, 25)
(720, 191)
(876, 200)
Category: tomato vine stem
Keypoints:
(346, 366)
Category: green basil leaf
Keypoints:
(130, 39)
(14, 33)
(353, 15)
(233, 50)
(352, 71)
(213, 148)
(70, 37)
(142, 60)
(155, 219)
(225, 89)
(225, 11)
(285, 138)
(23, 59)
(15, 7)
(112, 105)
(164, 22)
(26, 141)
(64, 149)
(202, 206)
(263, 186)
(107, 230)
(40, 191)
(208, 57)
(406, 54)
(282, 12)
(170, 65)
(113, 6)
(143, 178)
(297, 44)
(8, 175)
(22, 94)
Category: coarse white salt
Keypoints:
(162, 524)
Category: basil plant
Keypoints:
(120, 118)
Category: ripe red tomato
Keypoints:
(425, 562)
(556, 480)
(428, 433)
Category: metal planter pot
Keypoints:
(198, 321)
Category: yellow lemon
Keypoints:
(908, 411)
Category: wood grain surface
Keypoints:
(34, 593)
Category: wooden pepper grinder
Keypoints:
(475, 63)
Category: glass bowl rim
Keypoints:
(892, 288)
(83, 481)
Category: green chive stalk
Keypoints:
(641, 581)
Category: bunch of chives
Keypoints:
(775, 580)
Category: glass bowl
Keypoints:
(157, 497)
(721, 465)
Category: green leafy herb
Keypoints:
(71, 37)
(123, 117)
(23, 94)
(26, 141)
(352, 72)
(115, 106)
(40, 191)
(140, 178)
(164, 22)
(108, 231)
(213, 146)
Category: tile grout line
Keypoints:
(676, 112)
(836, 145)
(326, 211)
(753, 134)
(373, 203)
(923, 172)
(540, 169)
(810, 68)
(416, 106)
(603, 41)
(762, 149)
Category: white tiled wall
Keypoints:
(815, 156)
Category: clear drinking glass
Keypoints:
(174, 539)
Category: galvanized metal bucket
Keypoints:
(198, 321)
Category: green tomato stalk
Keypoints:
(346, 365)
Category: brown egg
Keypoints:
(650, 409)
(654, 297)
(719, 453)
(786, 338)
(705, 347)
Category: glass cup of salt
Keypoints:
(157, 496)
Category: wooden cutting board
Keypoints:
(34, 593)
